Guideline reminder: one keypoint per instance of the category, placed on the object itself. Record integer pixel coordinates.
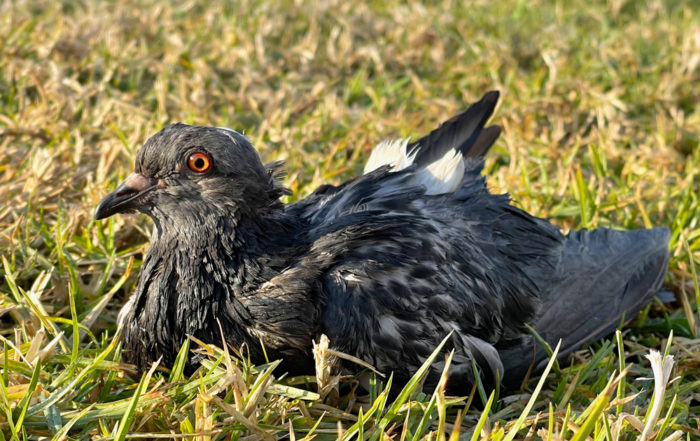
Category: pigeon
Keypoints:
(386, 265)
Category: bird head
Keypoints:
(187, 172)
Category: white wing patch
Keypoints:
(391, 153)
(442, 176)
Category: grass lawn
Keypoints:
(601, 123)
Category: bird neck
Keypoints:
(230, 246)
(193, 280)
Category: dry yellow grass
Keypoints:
(600, 114)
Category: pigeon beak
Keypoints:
(126, 196)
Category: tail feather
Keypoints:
(604, 275)
(463, 132)
(442, 157)
(487, 137)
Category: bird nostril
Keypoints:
(127, 191)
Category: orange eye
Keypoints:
(199, 162)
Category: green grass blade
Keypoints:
(54, 422)
(583, 197)
(411, 386)
(621, 386)
(694, 273)
(69, 387)
(426, 418)
(128, 416)
(63, 433)
(374, 409)
(596, 409)
(177, 372)
(482, 419)
(668, 420)
(21, 409)
(8, 410)
(531, 402)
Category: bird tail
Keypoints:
(461, 137)
(442, 157)
(604, 277)
(464, 133)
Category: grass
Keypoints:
(600, 114)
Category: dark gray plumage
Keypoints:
(379, 264)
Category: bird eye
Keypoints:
(199, 162)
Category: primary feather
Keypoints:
(386, 264)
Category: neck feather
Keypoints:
(193, 280)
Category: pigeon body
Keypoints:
(386, 264)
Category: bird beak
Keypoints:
(125, 197)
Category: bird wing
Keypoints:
(442, 159)
(417, 247)
(464, 132)
(403, 268)
(462, 136)
(603, 276)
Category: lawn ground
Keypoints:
(599, 107)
